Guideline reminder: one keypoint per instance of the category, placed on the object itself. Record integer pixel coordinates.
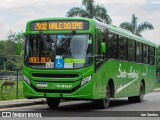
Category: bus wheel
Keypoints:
(141, 94)
(53, 102)
(138, 98)
(104, 103)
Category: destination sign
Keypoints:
(42, 60)
(60, 25)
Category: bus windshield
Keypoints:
(58, 51)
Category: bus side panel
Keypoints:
(150, 78)
(126, 76)
(129, 79)
(118, 72)
(103, 74)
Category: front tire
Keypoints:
(53, 102)
(104, 103)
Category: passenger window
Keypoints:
(131, 50)
(112, 46)
(122, 52)
(145, 53)
(152, 55)
(138, 52)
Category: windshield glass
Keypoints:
(58, 51)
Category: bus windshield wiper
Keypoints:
(68, 38)
(44, 40)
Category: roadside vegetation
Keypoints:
(9, 93)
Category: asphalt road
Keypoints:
(118, 109)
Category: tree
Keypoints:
(2, 54)
(8, 58)
(12, 36)
(90, 10)
(136, 28)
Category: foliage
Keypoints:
(7, 72)
(136, 28)
(90, 10)
(12, 36)
(8, 58)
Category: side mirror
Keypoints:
(103, 47)
(18, 48)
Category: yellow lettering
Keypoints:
(41, 26)
(55, 26)
(60, 26)
(31, 60)
(43, 60)
(36, 60)
(76, 25)
(73, 25)
(45, 26)
(50, 26)
(48, 60)
(80, 25)
(67, 25)
(38, 26)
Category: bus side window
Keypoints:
(98, 56)
(138, 52)
(131, 50)
(109, 46)
(98, 46)
(145, 53)
(112, 46)
(122, 51)
(103, 55)
(115, 46)
(152, 55)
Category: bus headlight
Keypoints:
(85, 80)
(26, 79)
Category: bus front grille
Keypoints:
(55, 75)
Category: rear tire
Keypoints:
(141, 94)
(138, 98)
(53, 102)
(104, 103)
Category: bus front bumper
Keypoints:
(83, 92)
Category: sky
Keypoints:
(14, 14)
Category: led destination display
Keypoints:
(60, 25)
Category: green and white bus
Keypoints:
(83, 59)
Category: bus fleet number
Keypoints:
(41, 26)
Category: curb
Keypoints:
(20, 103)
(158, 89)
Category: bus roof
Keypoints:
(111, 28)
(123, 32)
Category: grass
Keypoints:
(9, 93)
